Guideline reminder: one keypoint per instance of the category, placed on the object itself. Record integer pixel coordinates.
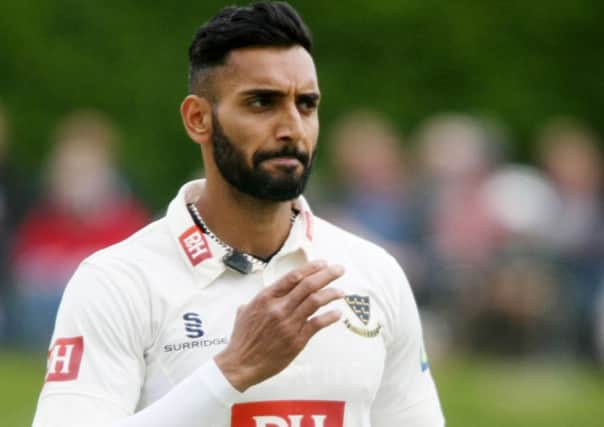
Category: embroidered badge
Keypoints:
(64, 359)
(195, 245)
(361, 307)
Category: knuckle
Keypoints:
(314, 300)
(310, 284)
(274, 312)
(294, 277)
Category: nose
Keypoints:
(291, 127)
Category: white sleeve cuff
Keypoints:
(214, 380)
(204, 398)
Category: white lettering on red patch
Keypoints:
(288, 413)
(195, 245)
(64, 359)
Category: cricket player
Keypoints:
(240, 307)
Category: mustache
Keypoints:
(287, 151)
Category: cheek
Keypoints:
(244, 133)
(312, 133)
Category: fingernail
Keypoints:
(320, 263)
(337, 269)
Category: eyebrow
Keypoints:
(314, 96)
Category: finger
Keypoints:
(285, 284)
(311, 284)
(315, 324)
(240, 310)
(315, 301)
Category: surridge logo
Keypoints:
(193, 329)
(193, 325)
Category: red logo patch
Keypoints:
(195, 245)
(288, 413)
(64, 359)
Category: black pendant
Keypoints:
(238, 262)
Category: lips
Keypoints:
(287, 157)
(284, 161)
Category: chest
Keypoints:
(342, 362)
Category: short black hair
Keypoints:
(269, 24)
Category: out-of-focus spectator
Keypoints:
(12, 200)
(373, 182)
(523, 202)
(84, 207)
(570, 154)
(457, 153)
(520, 306)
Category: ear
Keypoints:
(196, 113)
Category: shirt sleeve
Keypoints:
(407, 395)
(96, 365)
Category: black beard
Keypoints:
(254, 181)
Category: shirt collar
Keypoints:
(302, 232)
(204, 256)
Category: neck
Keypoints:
(250, 225)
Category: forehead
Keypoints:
(288, 69)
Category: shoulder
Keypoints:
(330, 238)
(114, 286)
(370, 267)
(139, 250)
(125, 269)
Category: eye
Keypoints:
(260, 101)
(308, 103)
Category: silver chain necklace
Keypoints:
(239, 261)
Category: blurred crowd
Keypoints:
(80, 203)
(503, 257)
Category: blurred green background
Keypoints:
(518, 62)
(474, 392)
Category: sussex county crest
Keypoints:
(361, 307)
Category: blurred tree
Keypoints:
(517, 61)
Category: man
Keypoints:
(234, 309)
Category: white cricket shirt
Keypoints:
(140, 322)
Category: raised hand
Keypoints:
(273, 328)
